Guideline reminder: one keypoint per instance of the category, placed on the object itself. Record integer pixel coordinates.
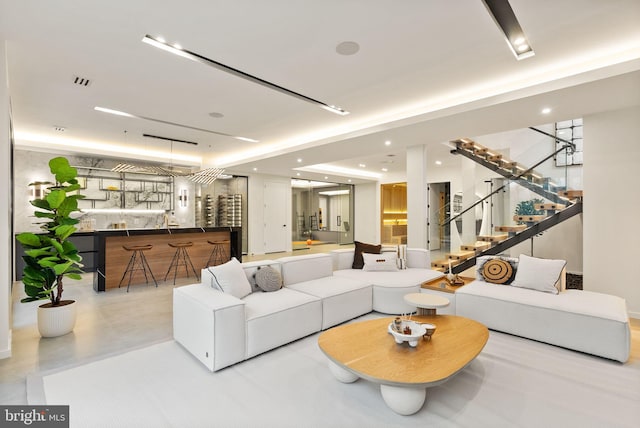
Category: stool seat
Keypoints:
(180, 244)
(137, 247)
(218, 253)
(137, 262)
(180, 258)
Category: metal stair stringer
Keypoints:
(551, 196)
(530, 232)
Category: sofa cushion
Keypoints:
(268, 279)
(496, 269)
(539, 274)
(380, 262)
(360, 247)
(401, 278)
(228, 278)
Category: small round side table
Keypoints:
(426, 303)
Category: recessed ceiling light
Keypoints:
(384, 170)
(387, 143)
(348, 48)
(298, 174)
(361, 165)
(546, 110)
(326, 178)
(255, 169)
(349, 180)
(438, 162)
(299, 160)
(161, 44)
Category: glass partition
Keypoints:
(322, 213)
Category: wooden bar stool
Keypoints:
(218, 254)
(137, 261)
(180, 258)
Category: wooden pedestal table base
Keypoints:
(366, 350)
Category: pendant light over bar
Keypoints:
(505, 18)
(161, 44)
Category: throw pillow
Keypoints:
(230, 278)
(496, 269)
(360, 247)
(268, 279)
(539, 274)
(380, 262)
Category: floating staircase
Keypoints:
(564, 205)
(509, 169)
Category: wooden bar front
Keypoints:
(113, 258)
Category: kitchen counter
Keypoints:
(112, 258)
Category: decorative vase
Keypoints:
(54, 321)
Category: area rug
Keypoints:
(514, 382)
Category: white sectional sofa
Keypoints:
(221, 329)
(389, 287)
(585, 321)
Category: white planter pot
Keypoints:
(57, 320)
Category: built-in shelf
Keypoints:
(106, 189)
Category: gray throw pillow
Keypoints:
(268, 279)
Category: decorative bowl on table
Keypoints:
(407, 331)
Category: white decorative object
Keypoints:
(417, 331)
(450, 275)
(57, 320)
(539, 274)
(383, 262)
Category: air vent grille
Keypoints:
(81, 81)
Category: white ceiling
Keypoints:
(426, 72)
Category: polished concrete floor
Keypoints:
(108, 323)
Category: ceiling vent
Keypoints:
(81, 81)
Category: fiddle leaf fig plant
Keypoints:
(50, 256)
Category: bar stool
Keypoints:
(180, 258)
(218, 253)
(137, 261)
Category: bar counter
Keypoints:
(112, 258)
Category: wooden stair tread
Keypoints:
(493, 238)
(529, 218)
(571, 194)
(516, 228)
(477, 246)
(460, 255)
(539, 207)
(444, 263)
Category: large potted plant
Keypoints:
(50, 256)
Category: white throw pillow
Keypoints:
(539, 274)
(230, 278)
(380, 262)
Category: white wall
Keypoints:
(367, 213)
(255, 214)
(611, 204)
(6, 240)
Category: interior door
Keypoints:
(277, 231)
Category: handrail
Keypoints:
(513, 177)
(572, 144)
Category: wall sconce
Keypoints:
(183, 197)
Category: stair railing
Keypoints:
(515, 178)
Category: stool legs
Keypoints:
(218, 255)
(180, 258)
(137, 261)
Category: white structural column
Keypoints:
(6, 240)
(417, 196)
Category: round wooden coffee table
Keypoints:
(366, 350)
